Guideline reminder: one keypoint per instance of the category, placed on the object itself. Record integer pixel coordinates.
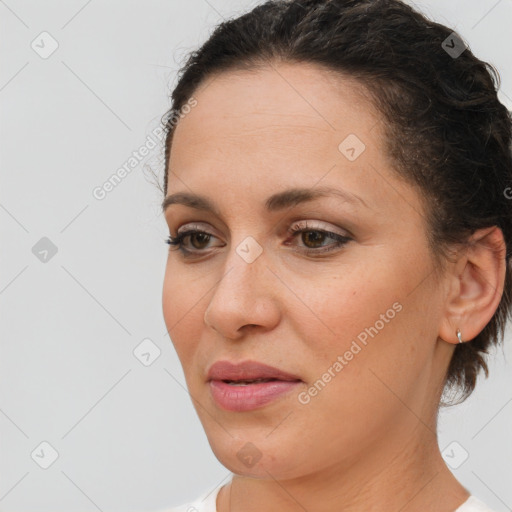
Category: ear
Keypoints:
(476, 283)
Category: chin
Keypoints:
(246, 456)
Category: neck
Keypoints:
(405, 473)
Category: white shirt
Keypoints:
(207, 502)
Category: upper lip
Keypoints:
(247, 370)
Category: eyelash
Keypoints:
(176, 243)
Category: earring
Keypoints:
(459, 335)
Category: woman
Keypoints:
(339, 244)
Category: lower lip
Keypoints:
(249, 397)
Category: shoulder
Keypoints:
(473, 504)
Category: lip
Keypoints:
(241, 398)
(252, 396)
(247, 370)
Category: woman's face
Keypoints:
(358, 323)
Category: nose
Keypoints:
(244, 298)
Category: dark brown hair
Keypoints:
(446, 130)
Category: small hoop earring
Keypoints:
(459, 335)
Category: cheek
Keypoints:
(372, 321)
(342, 308)
(184, 290)
(183, 308)
(355, 377)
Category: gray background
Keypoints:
(127, 435)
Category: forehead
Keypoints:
(256, 132)
(282, 100)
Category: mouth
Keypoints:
(253, 381)
(247, 372)
(248, 385)
(247, 395)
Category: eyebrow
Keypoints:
(274, 203)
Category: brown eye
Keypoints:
(314, 238)
(191, 241)
(201, 238)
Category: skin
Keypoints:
(367, 440)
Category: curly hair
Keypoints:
(446, 130)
